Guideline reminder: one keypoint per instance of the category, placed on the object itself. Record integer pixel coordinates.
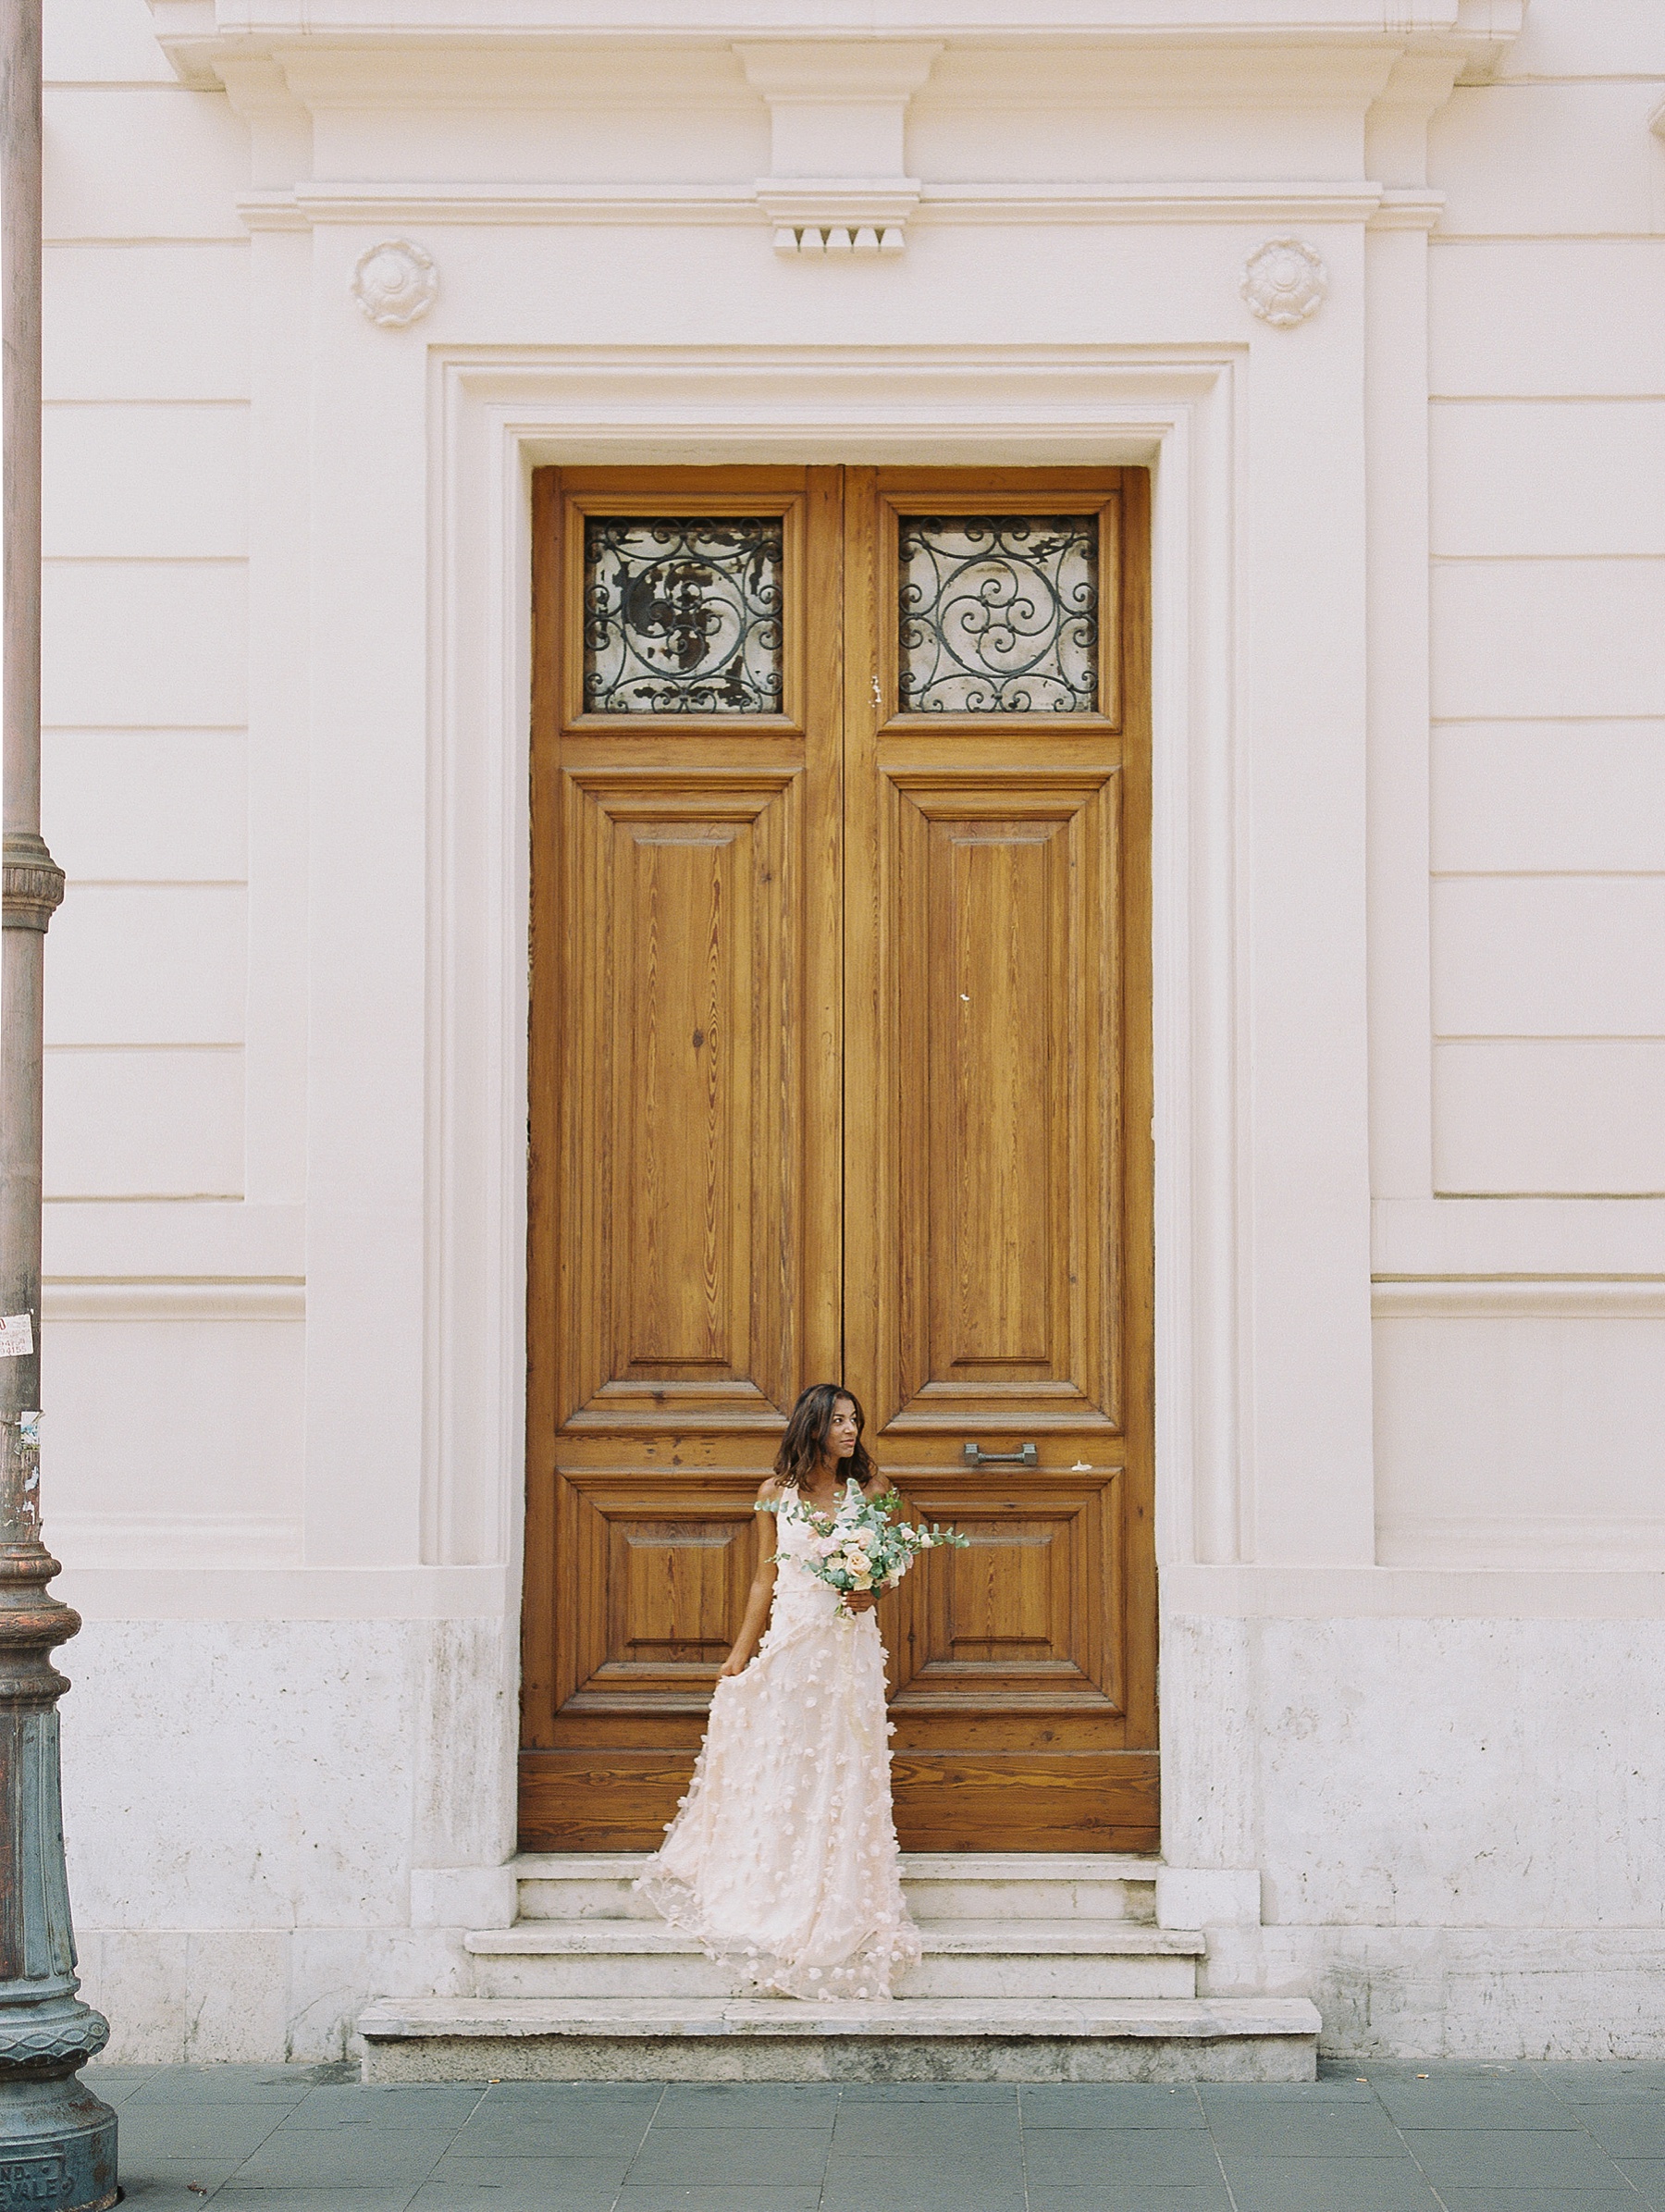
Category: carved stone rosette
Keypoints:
(1284, 282)
(395, 282)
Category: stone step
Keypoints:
(1029, 1886)
(915, 2039)
(939, 1885)
(963, 1958)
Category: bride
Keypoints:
(782, 1861)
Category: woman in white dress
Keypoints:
(783, 1860)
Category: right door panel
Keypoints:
(997, 1147)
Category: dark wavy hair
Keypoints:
(806, 1439)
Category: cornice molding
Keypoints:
(1409, 209)
(1275, 40)
(395, 203)
(1224, 201)
(1012, 74)
(1499, 1298)
(283, 211)
(173, 1298)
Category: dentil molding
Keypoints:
(1284, 283)
(395, 283)
(836, 241)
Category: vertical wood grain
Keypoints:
(997, 1265)
(685, 1151)
(841, 1066)
(544, 1169)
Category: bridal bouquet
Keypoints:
(860, 1547)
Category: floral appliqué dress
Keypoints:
(782, 1861)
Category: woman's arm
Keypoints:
(757, 1604)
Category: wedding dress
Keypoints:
(782, 1861)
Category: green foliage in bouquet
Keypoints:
(860, 1546)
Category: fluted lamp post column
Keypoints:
(58, 2140)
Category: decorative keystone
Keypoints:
(1284, 282)
(395, 283)
(837, 186)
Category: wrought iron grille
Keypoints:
(999, 614)
(682, 614)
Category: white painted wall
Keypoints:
(1508, 1437)
(1411, 886)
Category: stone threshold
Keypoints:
(1060, 2039)
(946, 1938)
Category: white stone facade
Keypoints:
(325, 283)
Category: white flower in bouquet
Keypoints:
(860, 1545)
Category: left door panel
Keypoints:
(685, 1227)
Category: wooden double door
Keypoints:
(841, 1071)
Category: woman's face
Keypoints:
(841, 1432)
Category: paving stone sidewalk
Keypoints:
(1365, 2139)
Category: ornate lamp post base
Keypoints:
(58, 2139)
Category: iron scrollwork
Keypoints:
(682, 614)
(999, 614)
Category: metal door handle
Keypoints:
(1024, 1457)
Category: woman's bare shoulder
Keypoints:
(771, 1486)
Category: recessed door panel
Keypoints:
(1018, 1619)
(668, 1566)
(1003, 960)
(682, 1106)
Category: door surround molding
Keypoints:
(498, 414)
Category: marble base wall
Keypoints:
(1457, 1825)
(1493, 1995)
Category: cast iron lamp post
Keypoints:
(58, 2140)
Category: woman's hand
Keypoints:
(735, 1663)
(861, 1601)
